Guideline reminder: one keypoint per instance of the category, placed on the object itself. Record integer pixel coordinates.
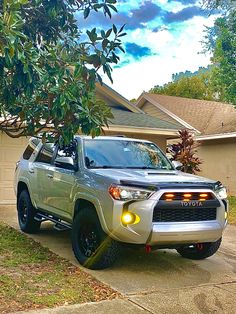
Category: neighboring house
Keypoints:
(128, 120)
(215, 126)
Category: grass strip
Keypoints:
(32, 277)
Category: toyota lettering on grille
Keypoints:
(191, 203)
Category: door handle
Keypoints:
(31, 170)
(50, 176)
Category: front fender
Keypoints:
(27, 183)
(95, 201)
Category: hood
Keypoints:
(153, 177)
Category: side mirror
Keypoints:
(177, 164)
(65, 163)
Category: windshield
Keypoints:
(124, 154)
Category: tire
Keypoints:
(92, 247)
(26, 213)
(200, 250)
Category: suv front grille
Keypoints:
(183, 214)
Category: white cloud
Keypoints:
(178, 51)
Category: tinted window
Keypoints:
(30, 148)
(124, 154)
(46, 153)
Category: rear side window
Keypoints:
(46, 153)
(33, 143)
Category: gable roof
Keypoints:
(146, 103)
(114, 98)
(127, 115)
(209, 117)
(122, 117)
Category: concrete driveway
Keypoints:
(162, 281)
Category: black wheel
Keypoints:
(199, 250)
(26, 213)
(92, 247)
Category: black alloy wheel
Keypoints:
(26, 213)
(88, 240)
(92, 247)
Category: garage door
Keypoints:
(10, 152)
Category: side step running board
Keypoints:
(59, 225)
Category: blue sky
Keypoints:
(163, 37)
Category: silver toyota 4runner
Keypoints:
(116, 190)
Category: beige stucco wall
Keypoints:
(219, 161)
(10, 151)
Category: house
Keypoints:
(128, 120)
(215, 128)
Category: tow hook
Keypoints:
(200, 246)
(148, 248)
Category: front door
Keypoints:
(63, 182)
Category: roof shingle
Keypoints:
(209, 117)
(127, 118)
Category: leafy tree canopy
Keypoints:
(221, 41)
(217, 82)
(190, 85)
(48, 73)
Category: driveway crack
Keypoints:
(141, 306)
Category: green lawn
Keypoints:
(232, 208)
(33, 277)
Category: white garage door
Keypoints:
(10, 152)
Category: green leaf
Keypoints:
(108, 33)
(86, 12)
(122, 27)
(49, 70)
(107, 11)
(114, 29)
(105, 42)
(99, 79)
(112, 7)
(122, 34)
(103, 34)
(92, 35)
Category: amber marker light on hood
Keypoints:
(169, 197)
(203, 197)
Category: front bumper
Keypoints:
(177, 233)
(165, 233)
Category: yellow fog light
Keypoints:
(226, 215)
(128, 218)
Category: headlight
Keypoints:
(124, 193)
(221, 191)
